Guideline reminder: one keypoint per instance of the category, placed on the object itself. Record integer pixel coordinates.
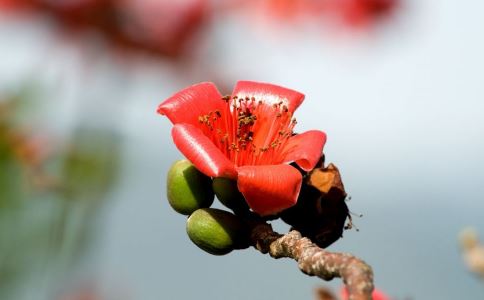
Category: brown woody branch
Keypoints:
(314, 261)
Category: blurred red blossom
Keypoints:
(377, 294)
(361, 13)
(350, 13)
(161, 27)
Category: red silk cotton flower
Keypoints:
(248, 137)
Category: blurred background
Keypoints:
(396, 85)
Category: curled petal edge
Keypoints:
(269, 92)
(305, 149)
(190, 103)
(201, 151)
(269, 189)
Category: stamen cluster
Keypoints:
(249, 131)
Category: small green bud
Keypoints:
(229, 195)
(216, 231)
(187, 188)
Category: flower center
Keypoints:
(249, 131)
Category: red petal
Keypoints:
(269, 92)
(305, 149)
(200, 150)
(190, 103)
(269, 189)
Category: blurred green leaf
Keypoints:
(90, 164)
(40, 232)
(12, 188)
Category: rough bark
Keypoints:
(315, 261)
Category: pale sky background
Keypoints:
(404, 113)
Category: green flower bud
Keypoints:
(216, 231)
(229, 195)
(187, 188)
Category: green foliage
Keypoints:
(48, 207)
(90, 165)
